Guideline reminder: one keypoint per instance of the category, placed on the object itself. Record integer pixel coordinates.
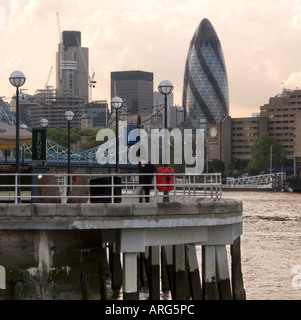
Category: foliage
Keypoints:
(60, 136)
(216, 166)
(230, 168)
(261, 155)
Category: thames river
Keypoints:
(270, 244)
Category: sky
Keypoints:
(261, 41)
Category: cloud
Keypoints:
(11, 63)
(259, 39)
(293, 81)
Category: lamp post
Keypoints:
(44, 125)
(117, 103)
(165, 87)
(69, 116)
(17, 79)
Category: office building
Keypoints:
(232, 139)
(136, 88)
(205, 91)
(99, 113)
(72, 61)
(284, 112)
(52, 105)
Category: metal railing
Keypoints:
(264, 181)
(107, 188)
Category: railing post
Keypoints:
(194, 188)
(155, 188)
(16, 188)
(205, 188)
(112, 189)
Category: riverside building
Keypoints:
(231, 139)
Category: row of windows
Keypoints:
(241, 147)
(279, 134)
(281, 128)
(269, 110)
(245, 135)
(288, 153)
(287, 121)
(244, 122)
(243, 141)
(282, 115)
(245, 128)
(241, 153)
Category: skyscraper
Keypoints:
(136, 88)
(73, 66)
(205, 92)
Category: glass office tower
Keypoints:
(136, 88)
(205, 92)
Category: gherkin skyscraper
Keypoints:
(205, 92)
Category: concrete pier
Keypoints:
(54, 250)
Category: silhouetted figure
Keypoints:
(147, 179)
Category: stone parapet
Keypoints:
(50, 210)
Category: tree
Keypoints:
(230, 168)
(262, 151)
(216, 166)
(60, 136)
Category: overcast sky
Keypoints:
(261, 41)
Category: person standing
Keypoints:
(146, 180)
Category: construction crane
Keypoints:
(61, 48)
(92, 84)
(49, 75)
(59, 27)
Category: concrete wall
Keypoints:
(52, 251)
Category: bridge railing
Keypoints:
(266, 181)
(107, 188)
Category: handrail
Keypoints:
(258, 181)
(115, 188)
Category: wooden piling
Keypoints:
(179, 273)
(102, 266)
(2, 278)
(193, 273)
(164, 277)
(237, 278)
(84, 280)
(146, 265)
(116, 270)
(210, 289)
(169, 267)
(223, 276)
(154, 284)
(130, 286)
(141, 269)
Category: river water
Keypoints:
(270, 244)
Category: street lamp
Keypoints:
(165, 88)
(117, 103)
(69, 116)
(44, 125)
(17, 79)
